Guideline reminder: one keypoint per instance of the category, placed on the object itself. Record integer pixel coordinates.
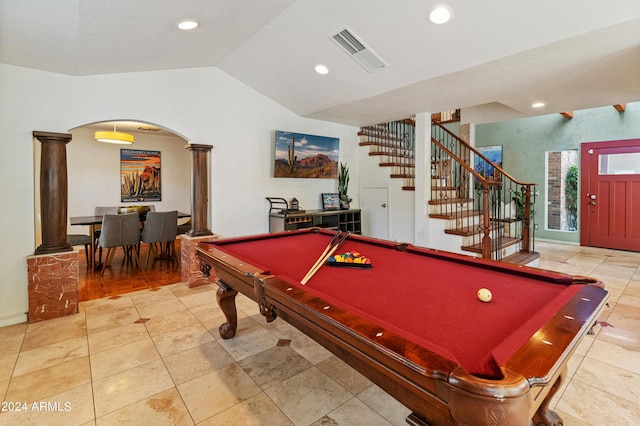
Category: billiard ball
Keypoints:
(484, 295)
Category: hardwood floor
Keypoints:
(123, 277)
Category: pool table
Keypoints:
(413, 324)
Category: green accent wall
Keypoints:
(525, 141)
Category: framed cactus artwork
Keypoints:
(298, 155)
(139, 175)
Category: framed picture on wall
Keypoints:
(298, 155)
(487, 168)
(139, 176)
(330, 201)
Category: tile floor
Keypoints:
(155, 357)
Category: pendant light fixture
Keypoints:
(114, 137)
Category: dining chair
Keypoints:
(120, 230)
(80, 240)
(101, 211)
(160, 232)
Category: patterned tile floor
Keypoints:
(154, 357)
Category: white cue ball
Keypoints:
(484, 295)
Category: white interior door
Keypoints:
(374, 203)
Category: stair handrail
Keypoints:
(464, 164)
(475, 151)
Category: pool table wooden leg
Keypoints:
(544, 415)
(266, 309)
(226, 297)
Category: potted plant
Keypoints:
(571, 196)
(343, 187)
(520, 200)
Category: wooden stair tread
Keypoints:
(382, 141)
(402, 175)
(522, 258)
(390, 154)
(506, 242)
(506, 220)
(453, 215)
(408, 188)
(378, 133)
(397, 164)
(450, 201)
(467, 231)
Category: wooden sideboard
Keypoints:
(345, 220)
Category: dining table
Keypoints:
(93, 221)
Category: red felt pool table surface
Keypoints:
(426, 296)
(413, 323)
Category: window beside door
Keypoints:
(562, 190)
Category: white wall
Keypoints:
(204, 105)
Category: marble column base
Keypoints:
(190, 264)
(52, 285)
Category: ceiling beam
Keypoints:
(620, 107)
(567, 114)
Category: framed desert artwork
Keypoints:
(298, 155)
(139, 175)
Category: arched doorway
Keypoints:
(92, 174)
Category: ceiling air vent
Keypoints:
(360, 52)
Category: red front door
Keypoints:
(610, 194)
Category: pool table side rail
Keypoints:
(559, 337)
(243, 266)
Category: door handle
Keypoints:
(593, 203)
(384, 205)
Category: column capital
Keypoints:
(52, 137)
(198, 147)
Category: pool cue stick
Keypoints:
(319, 265)
(326, 250)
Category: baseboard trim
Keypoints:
(13, 319)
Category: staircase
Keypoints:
(484, 211)
(394, 144)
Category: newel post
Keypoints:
(486, 222)
(199, 190)
(53, 192)
(526, 228)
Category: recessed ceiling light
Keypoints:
(440, 14)
(322, 69)
(187, 25)
(537, 105)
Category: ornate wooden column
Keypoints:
(199, 190)
(190, 265)
(53, 192)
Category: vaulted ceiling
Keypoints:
(493, 59)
